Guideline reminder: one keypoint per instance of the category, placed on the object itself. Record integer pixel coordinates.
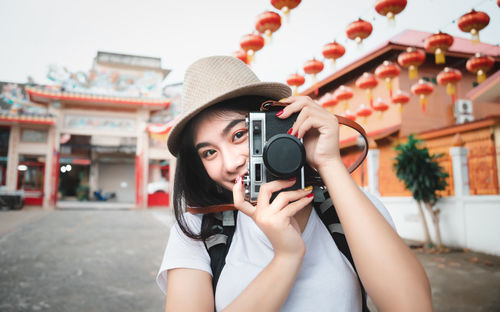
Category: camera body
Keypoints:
(274, 154)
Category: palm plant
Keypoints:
(423, 176)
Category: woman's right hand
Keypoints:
(276, 219)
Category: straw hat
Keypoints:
(214, 79)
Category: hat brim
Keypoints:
(272, 90)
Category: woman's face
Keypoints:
(221, 141)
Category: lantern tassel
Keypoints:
(388, 84)
(370, 97)
(475, 35)
(346, 104)
(481, 76)
(440, 59)
(400, 108)
(380, 115)
(295, 90)
(450, 89)
(316, 89)
(286, 13)
(332, 64)
(423, 102)
(268, 37)
(412, 72)
(250, 56)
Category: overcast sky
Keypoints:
(36, 33)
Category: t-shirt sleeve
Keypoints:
(183, 252)
(381, 208)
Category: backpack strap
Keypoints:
(326, 211)
(217, 244)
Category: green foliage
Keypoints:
(419, 171)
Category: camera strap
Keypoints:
(276, 105)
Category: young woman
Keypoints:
(281, 257)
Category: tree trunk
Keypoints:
(424, 225)
(435, 219)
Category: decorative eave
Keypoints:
(44, 96)
(372, 135)
(27, 119)
(460, 128)
(488, 88)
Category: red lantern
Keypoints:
(285, 5)
(242, 55)
(422, 88)
(333, 51)
(251, 43)
(268, 22)
(367, 82)
(388, 71)
(438, 44)
(411, 59)
(295, 80)
(312, 67)
(389, 8)
(328, 101)
(480, 65)
(363, 112)
(349, 115)
(343, 94)
(359, 30)
(380, 106)
(400, 98)
(449, 77)
(473, 22)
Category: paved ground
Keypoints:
(106, 260)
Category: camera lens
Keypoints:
(284, 155)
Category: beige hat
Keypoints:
(214, 79)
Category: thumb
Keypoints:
(239, 198)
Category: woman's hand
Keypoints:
(276, 219)
(318, 127)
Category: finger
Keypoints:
(291, 209)
(267, 190)
(295, 104)
(239, 198)
(318, 122)
(285, 198)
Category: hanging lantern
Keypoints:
(411, 59)
(328, 101)
(285, 6)
(367, 82)
(390, 8)
(242, 55)
(480, 65)
(312, 67)
(295, 81)
(333, 51)
(473, 22)
(400, 98)
(387, 71)
(349, 115)
(438, 44)
(251, 43)
(267, 23)
(422, 88)
(449, 77)
(359, 30)
(380, 106)
(363, 112)
(343, 94)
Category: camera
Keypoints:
(274, 154)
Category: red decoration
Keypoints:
(438, 44)
(328, 101)
(422, 88)
(333, 51)
(473, 22)
(343, 94)
(400, 98)
(367, 82)
(359, 30)
(295, 80)
(251, 43)
(389, 8)
(449, 77)
(285, 5)
(242, 55)
(268, 22)
(363, 112)
(380, 106)
(388, 71)
(349, 115)
(411, 59)
(480, 65)
(312, 67)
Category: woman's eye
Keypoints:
(207, 153)
(240, 134)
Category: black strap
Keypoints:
(326, 212)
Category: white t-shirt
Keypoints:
(326, 281)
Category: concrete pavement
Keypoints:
(106, 260)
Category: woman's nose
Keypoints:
(235, 159)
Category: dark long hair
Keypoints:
(192, 186)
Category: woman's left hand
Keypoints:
(318, 127)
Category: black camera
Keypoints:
(274, 154)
